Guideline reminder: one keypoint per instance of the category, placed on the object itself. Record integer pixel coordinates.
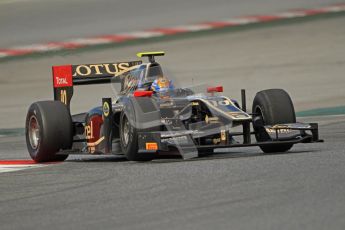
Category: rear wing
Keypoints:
(66, 76)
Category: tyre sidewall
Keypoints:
(131, 148)
(135, 120)
(276, 107)
(55, 130)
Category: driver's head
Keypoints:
(161, 84)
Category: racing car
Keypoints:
(150, 116)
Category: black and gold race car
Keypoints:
(142, 122)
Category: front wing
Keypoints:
(279, 134)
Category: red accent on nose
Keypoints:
(139, 93)
(215, 89)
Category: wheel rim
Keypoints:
(125, 132)
(259, 112)
(34, 132)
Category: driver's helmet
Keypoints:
(162, 84)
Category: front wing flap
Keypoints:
(291, 131)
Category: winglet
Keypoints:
(151, 55)
(147, 54)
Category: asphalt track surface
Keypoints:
(242, 189)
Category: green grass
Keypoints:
(12, 132)
(339, 110)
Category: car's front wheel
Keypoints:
(273, 106)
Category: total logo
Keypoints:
(61, 81)
(62, 76)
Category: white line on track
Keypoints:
(12, 168)
(16, 165)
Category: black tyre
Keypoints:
(48, 129)
(140, 114)
(129, 140)
(274, 106)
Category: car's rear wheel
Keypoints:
(48, 129)
(273, 106)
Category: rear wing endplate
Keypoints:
(66, 76)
